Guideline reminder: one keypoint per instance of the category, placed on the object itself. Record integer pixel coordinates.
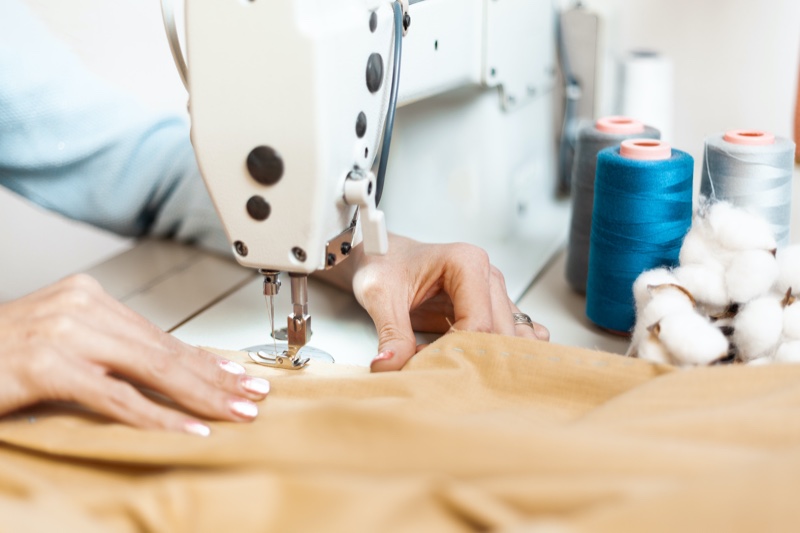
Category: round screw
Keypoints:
(299, 254)
(346, 247)
(241, 248)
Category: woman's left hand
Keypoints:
(432, 288)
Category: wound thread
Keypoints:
(751, 169)
(642, 210)
(606, 132)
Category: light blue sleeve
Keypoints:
(72, 143)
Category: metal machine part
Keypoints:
(299, 319)
(258, 355)
(298, 331)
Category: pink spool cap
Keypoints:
(645, 149)
(619, 125)
(749, 137)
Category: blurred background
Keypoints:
(731, 64)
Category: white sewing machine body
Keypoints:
(288, 102)
(471, 149)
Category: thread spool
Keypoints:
(752, 169)
(606, 132)
(642, 210)
(646, 89)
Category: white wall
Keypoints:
(735, 61)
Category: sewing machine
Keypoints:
(292, 105)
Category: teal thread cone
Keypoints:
(642, 211)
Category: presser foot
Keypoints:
(277, 356)
(282, 360)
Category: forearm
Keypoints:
(73, 144)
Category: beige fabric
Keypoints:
(479, 432)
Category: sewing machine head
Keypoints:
(289, 102)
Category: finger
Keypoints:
(120, 401)
(466, 280)
(215, 370)
(502, 310)
(161, 370)
(434, 315)
(396, 340)
(532, 331)
(88, 302)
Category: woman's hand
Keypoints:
(431, 288)
(73, 342)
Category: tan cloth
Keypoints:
(479, 432)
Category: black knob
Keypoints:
(265, 165)
(361, 125)
(258, 208)
(374, 72)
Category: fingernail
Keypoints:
(196, 428)
(244, 408)
(383, 356)
(256, 385)
(232, 367)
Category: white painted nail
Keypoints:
(232, 367)
(256, 385)
(196, 428)
(384, 355)
(244, 408)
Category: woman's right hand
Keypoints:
(73, 342)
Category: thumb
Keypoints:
(396, 340)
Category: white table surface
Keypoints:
(209, 301)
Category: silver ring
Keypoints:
(523, 319)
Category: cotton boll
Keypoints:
(788, 352)
(757, 328)
(641, 287)
(690, 339)
(651, 349)
(750, 274)
(697, 247)
(789, 268)
(666, 300)
(707, 285)
(641, 332)
(791, 322)
(736, 229)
